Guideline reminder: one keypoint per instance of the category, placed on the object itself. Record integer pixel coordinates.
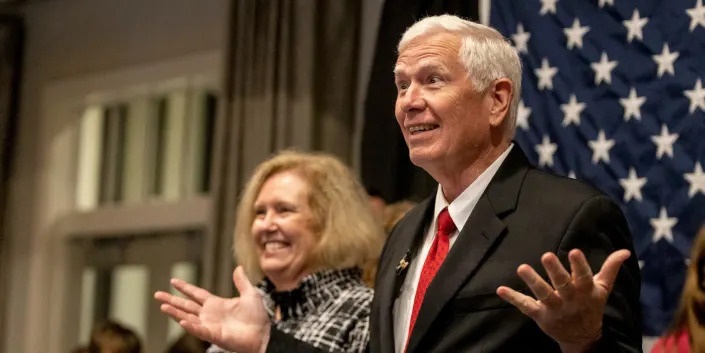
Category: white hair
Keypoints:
(485, 53)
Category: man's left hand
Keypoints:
(570, 310)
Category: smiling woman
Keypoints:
(316, 194)
(304, 230)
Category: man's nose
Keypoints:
(413, 99)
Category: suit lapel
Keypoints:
(482, 230)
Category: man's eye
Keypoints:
(403, 85)
(434, 79)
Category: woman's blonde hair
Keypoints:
(691, 310)
(347, 233)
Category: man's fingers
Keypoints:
(542, 290)
(524, 303)
(182, 304)
(610, 269)
(197, 294)
(560, 278)
(242, 283)
(582, 274)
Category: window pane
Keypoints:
(134, 178)
(112, 158)
(89, 158)
(147, 147)
(88, 286)
(174, 133)
(129, 297)
(187, 271)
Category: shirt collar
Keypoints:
(311, 292)
(463, 205)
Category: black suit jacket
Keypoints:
(522, 214)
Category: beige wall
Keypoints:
(66, 40)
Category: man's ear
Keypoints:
(501, 92)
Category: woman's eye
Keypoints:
(283, 209)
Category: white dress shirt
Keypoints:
(459, 210)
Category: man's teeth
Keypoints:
(415, 129)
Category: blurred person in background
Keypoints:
(395, 212)
(687, 331)
(304, 230)
(390, 215)
(377, 203)
(112, 337)
(188, 344)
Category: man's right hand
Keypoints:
(237, 324)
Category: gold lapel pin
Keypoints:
(403, 263)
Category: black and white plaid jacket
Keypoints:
(329, 309)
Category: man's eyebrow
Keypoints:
(432, 66)
(423, 67)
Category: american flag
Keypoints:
(613, 93)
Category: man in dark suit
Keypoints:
(446, 274)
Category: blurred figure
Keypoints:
(111, 337)
(304, 231)
(188, 344)
(80, 349)
(377, 203)
(394, 212)
(687, 331)
(391, 214)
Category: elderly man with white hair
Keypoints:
(503, 257)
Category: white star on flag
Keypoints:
(571, 111)
(632, 186)
(523, 115)
(696, 180)
(545, 151)
(635, 26)
(620, 101)
(545, 74)
(663, 226)
(603, 69)
(632, 105)
(601, 148)
(696, 96)
(664, 142)
(575, 34)
(548, 6)
(697, 15)
(521, 39)
(665, 61)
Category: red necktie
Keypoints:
(436, 255)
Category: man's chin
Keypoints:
(420, 159)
